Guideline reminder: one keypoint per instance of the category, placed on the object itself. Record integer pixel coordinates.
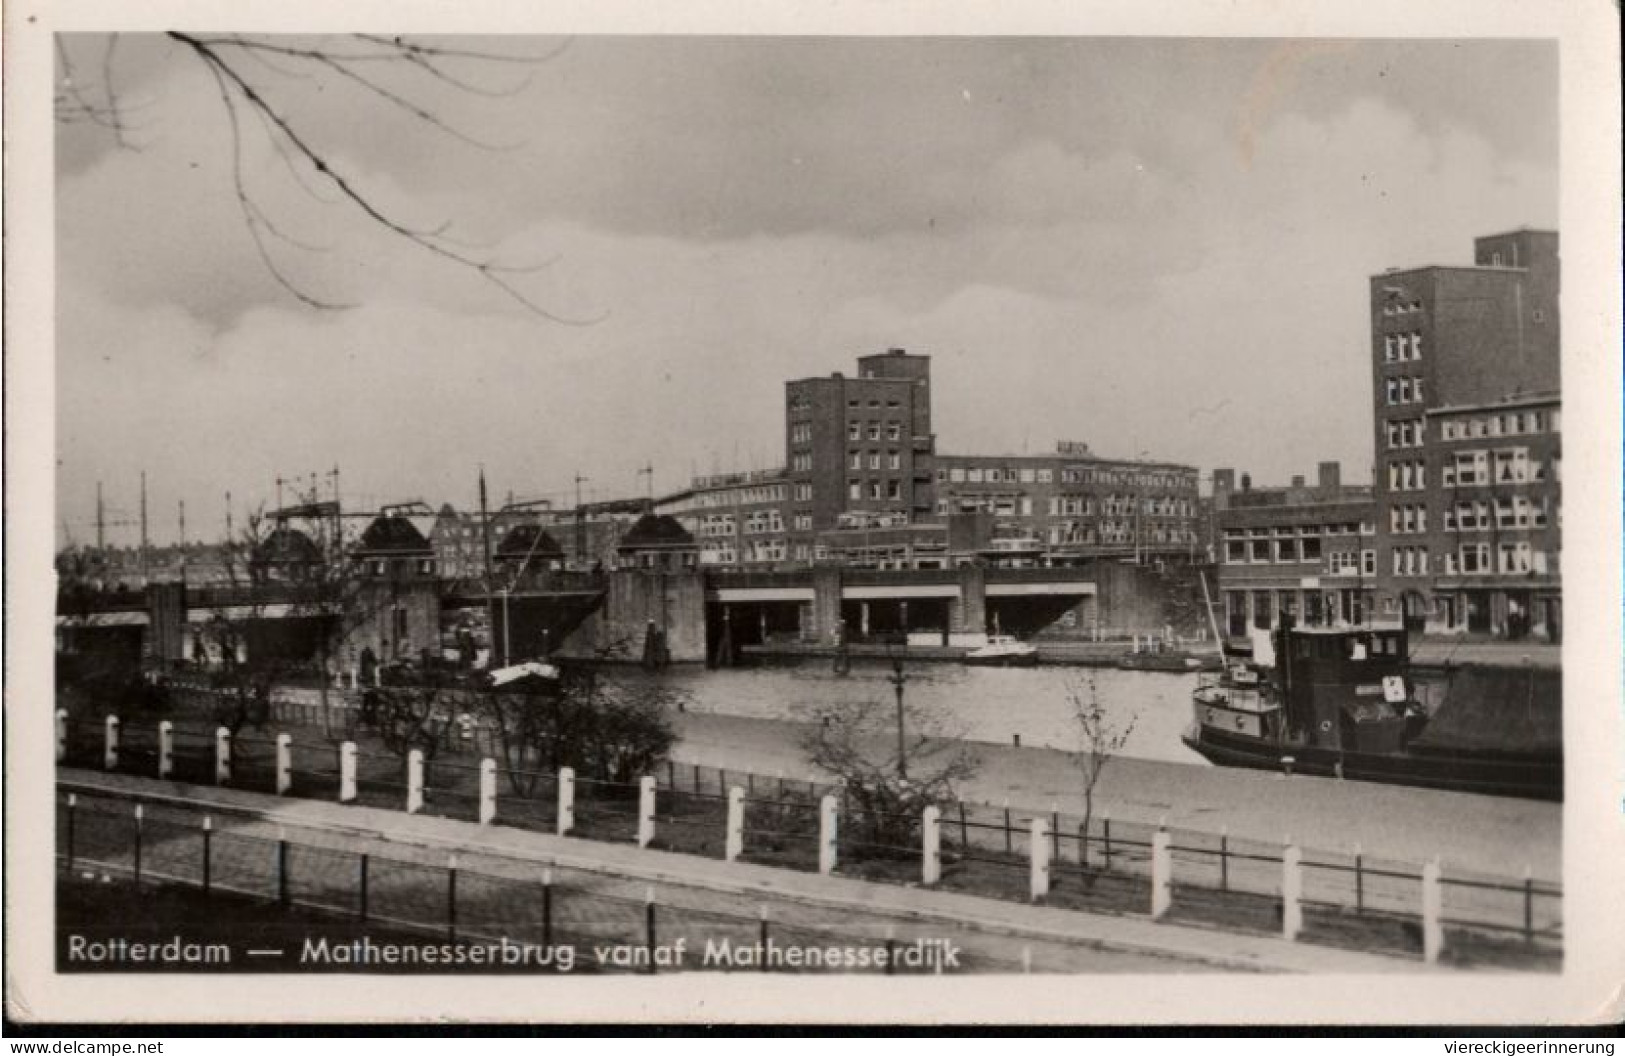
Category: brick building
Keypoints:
(737, 519)
(1073, 505)
(1306, 550)
(1466, 377)
(860, 444)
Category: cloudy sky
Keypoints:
(1148, 245)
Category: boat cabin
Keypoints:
(1344, 688)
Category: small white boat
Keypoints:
(1002, 650)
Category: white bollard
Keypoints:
(930, 846)
(1038, 854)
(1291, 892)
(222, 756)
(736, 824)
(110, 744)
(646, 811)
(1432, 912)
(414, 781)
(827, 835)
(346, 771)
(61, 734)
(284, 763)
(488, 791)
(1161, 874)
(166, 748)
(567, 800)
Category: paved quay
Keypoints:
(1430, 654)
(1491, 835)
(1132, 935)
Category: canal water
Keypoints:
(989, 704)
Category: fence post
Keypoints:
(1432, 912)
(284, 763)
(826, 835)
(646, 811)
(73, 804)
(1161, 874)
(208, 854)
(282, 886)
(1038, 854)
(362, 884)
(451, 897)
(1009, 847)
(166, 749)
(736, 823)
(1291, 891)
(930, 846)
(1106, 838)
(1359, 880)
(61, 734)
(649, 923)
(1529, 904)
(1224, 858)
(110, 744)
(222, 756)
(136, 853)
(346, 771)
(414, 780)
(567, 800)
(547, 907)
(488, 791)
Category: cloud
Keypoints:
(1085, 247)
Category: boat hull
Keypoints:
(1527, 777)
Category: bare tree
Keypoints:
(251, 74)
(1100, 739)
(892, 761)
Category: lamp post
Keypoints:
(898, 679)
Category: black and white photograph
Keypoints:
(744, 514)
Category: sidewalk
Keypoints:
(1229, 951)
(1493, 835)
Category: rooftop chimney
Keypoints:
(1297, 481)
(1331, 476)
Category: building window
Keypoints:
(874, 489)
(894, 460)
(854, 489)
(894, 489)
(874, 460)
(854, 430)
(894, 431)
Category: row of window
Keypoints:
(876, 489)
(1404, 432)
(874, 405)
(1398, 307)
(1402, 348)
(1509, 512)
(1403, 390)
(750, 496)
(1509, 559)
(1407, 519)
(1286, 550)
(1512, 423)
(1509, 465)
(1408, 475)
(1069, 475)
(873, 430)
(893, 460)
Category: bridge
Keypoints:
(590, 612)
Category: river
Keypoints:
(988, 704)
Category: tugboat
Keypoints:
(1340, 701)
(1003, 650)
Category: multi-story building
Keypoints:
(860, 444)
(1074, 505)
(1306, 551)
(738, 519)
(1498, 530)
(1453, 349)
